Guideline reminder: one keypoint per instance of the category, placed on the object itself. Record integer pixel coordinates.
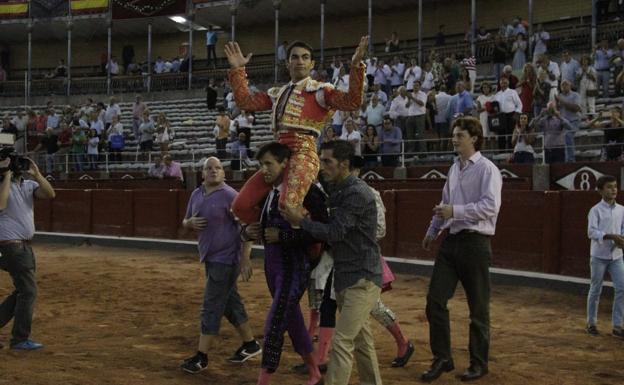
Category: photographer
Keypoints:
(554, 127)
(17, 228)
(613, 125)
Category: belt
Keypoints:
(469, 232)
(15, 242)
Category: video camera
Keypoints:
(17, 163)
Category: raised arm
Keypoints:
(237, 76)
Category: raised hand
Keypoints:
(235, 56)
(360, 51)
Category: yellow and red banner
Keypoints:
(13, 9)
(80, 7)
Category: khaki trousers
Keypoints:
(353, 334)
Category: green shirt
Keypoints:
(78, 143)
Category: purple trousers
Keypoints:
(287, 274)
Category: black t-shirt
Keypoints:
(500, 53)
(50, 143)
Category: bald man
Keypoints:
(225, 257)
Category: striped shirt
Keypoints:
(470, 63)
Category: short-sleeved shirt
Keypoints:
(220, 241)
(17, 220)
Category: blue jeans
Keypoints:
(616, 271)
(603, 80)
(569, 141)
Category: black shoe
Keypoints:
(245, 352)
(195, 364)
(400, 362)
(592, 330)
(618, 332)
(303, 368)
(474, 372)
(439, 366)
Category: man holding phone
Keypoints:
(17, 227)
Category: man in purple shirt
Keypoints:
(471, 200)
(208, 213)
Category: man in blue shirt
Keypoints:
(602, 64)
(605, 228)
(211, 42)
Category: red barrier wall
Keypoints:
(112, 212)
(575, 206)
(156, 213)
(71, 211)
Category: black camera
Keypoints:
(17, 163)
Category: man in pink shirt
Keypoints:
(172, 169)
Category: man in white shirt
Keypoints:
(382, 74)
(381, 95)
(510, 105)
(569, 67)
(159, 66)
(414, 72)
(353, 136)
(605, 229)
(551, 69)
(375, 112)
(336, 66)
(415, 125)
(540, 39)
(281, 52)
(398, 70)
(371, 67)
(442, 100)
(342, 81)
(398, 108)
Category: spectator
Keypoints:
(398, 71)
(157, 169)
(398, 110)
(93, 142)
(374, 112)
(505, 31)
(427, 82)
(329, 134)
(440, 39)
(510, 105)
(163, 128)
(381, 94)
(554, 126)
(511, 78)
(336, 65)
(20, 121)
(370, 146)
(137, 115)
(442, 100)
(222, 132)
(464, 77)
(414, 72)
(602, 10)
(569, 104)
(371, 67)
(64, 140)
(112, 109)
(382, 73)
(51, 144)
(499, 56)
(211, 95)
(518, 28)
(613, 132)
(159, 66)
(281, 52)
(115, 139)
(487, 96)
(112, 66)
(588, 90)
(527, 85)
(61, 69)
(483, 34)
(519, 52)
(393, 44)
(352, 136)
(539, 40)
(147, 129)
(541, 93)
(569, 67)
(239, 152)
(390, 139)
(465, 103)
(551, 70)
(415, 124)
(470, 64)
(602, 64)
(522, 141)
(52, 119)
(87, 108)
(244, 123)
(95, 123)
(468, 33)
(211, 43)
(172, 169)
(78, 142)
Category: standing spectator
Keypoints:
(483, 34)
(382, 74)
(163, 128)
(465, 103)
(554, 126)
(157, 169)
(20, 121)
(539, 40)
(414, 72)
(428, 82)
(211, 95)
(52, 119)
(569, 103)
(569, 67)
(552, 74)
(588, 89)
(499, 57)
(222, 132)
(541, 93)
(415, 124)
(527, 85)
(115, 139)
(398, 71)
(602, 64)
(112, 66)
(93, 142)
(519, 52)
(352, 136)
(393, 44)
(244, 122)
(239, 152)
(510, 105)
(519, 28)
(374, 112)
(211, 43)
(602, 10)
(390, 139)
(17, 228)
(487, 96)
(336, 65)
(78, 143)
(442, 100)
(357, 266)
(281, 53)
(137, 115)
(381, 95)
(159, 66)
(224, 257)
(470, 64)
(613, 132)
(505, 30)
(337, 121)
(95, 123)
(511, 78)
(522, 141)
(398, 110)
(605, 229)
(371, 67)
(342, 81)
(61, 69)
(112, 109)
(51, 144)
(147, 129)
(440, 39)
(471, 201)
(370, 146)
(64, 141)
(172, 169)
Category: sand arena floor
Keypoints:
(127, 316)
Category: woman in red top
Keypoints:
(527, 84)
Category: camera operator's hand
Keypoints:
(33, 169)
(5, 164)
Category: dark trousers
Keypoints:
(221, 152)
(508, 123)
(554, 155)
(329, 307)
(211, 51)
(19, 261)
(221, 298)
(523, 157)
(389, 160)
(463, 257)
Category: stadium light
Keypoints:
(178, 19)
